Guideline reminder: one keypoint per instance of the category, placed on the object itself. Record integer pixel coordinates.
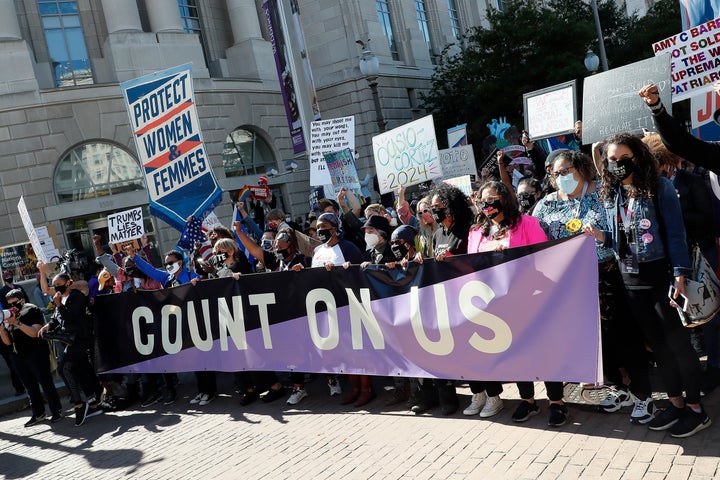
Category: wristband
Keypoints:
(656, 107)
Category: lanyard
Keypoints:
(626, 214)
(584, 191)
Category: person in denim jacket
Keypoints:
(647, 233)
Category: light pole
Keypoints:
(601, 41)
(370, 68)
(592, 62)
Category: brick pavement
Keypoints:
(324, 440)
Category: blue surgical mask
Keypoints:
(567, 183)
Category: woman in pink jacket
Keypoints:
(499, 225)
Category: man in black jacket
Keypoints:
(75, 366)
(30, 355)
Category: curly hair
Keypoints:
(582, 163)
(660, 151)
(511, 210)
(456, 204)
(646, 174)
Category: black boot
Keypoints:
(448, 397)
(427, 397)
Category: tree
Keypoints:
(529, 46)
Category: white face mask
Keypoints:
(393, 222)
(173, 268)
(371, 239)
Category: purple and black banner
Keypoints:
(528, 313)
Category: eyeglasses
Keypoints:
(562, 172)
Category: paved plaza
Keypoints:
(321, 439)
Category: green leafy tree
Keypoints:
(529, 46)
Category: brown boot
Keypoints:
(354, 393)
(367, 394)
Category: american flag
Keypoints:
(191, 234)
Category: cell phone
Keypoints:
(681, 300)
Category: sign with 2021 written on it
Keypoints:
(406, 155)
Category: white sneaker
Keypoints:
(476, 404)
(335, 388)
(492, 407)
(207, 399)
(296, 396)
(643, 411)
(196, 399)
(615, 400)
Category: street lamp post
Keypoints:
(592, 62)
(370, 68)
(601, 40)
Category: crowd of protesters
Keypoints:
(641, 199)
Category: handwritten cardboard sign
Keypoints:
(126, 225)
(407, 155)
(341, 167)
(327, 136)
(611, 103)
(551, 111)
(458, 161)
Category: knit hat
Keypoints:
(553, 155)
(404, 232)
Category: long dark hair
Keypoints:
(456, 204)
(511, 210)
(646, 174)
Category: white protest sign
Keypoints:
(211, 221)
(327, 136)
(46, 241)
(458, 161)
(124, 226)
(551, 111)
(457, 135)
(463, 183)
(695, 59)
(407, 155)
(30, 230)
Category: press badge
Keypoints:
(629, 261)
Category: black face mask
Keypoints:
(496, 204)
(399, 250)
(324, 235)
(438, 214)
(8, 279)
(61, 288)
(282, 254)
(218, 259)
(131, 271)
(526, 201)
(621, 169)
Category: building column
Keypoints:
(121, 16)
(243, 17)
(164, 16)
(251, 55)
(9, 25)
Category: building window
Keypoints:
(96, 170)
(189, 16)
(502, 5)
(66, 43)
(422, 18)
(385, 21)
(454, 19)
(245, 153)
